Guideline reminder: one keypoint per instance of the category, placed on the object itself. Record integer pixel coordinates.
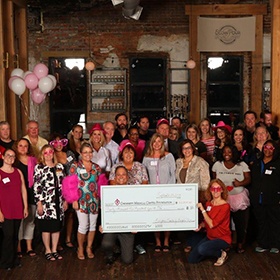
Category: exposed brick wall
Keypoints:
(68, 28)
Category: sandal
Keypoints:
(166, 248)
(80, 255)
(19, 254)
(49, 257)
(31, 253)
(158, 249)
(69, 244)
(90, 255)
(221, 260)
(187, 249)
(240, 250)
(57, 256)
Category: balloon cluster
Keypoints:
(39, 82)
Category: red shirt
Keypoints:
(11, 203)
(2, 150)
(220, 216)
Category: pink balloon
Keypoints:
(41, 70)
(31, 81)
(37, 96)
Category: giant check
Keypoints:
(134, 208)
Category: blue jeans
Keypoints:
(207, 248)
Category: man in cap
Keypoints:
(170, 145)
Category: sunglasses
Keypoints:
(49, 152)
(215, 189)
(268, 147)
(62, 142)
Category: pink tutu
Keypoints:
(70, 189)
(239, 201)
(102, 181)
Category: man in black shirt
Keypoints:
(143, 128)
(121, 128)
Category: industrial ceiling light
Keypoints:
(131, 9)
(117, 2)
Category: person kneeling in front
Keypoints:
(217, 224)
(126, 239)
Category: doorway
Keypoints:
(148, 88)
(225, 89)
(69, 100)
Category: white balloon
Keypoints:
(26, 73)
(17, 72)
(45, 84)
(18, 86)
(52, 77)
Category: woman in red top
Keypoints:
(13, 208)
(217, 224)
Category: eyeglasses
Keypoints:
(187, 148)
(268, 147)
(10, 156)
(133, 134)
(48, 152)
(215, 189)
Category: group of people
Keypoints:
(236, 169)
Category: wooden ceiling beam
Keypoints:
(231, 1)
(226, 9)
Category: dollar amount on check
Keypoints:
(134, 208)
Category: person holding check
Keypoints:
(126, 239)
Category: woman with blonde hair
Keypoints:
(76, 139)
(207, 137)
(100, 155)
(48, 175)
(161, 170)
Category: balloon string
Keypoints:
(25, 109)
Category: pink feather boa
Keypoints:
(70, 190)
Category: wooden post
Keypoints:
(275, 58)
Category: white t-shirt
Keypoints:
(228, 175)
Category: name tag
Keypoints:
(208, 208)
(83, 171)
(70, 158)
(268, 172)
(6, 180)
(154, 163)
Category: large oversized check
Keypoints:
(134, 208)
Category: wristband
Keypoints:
(204, 211)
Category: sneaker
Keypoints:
(221, 260)
(140, 250)
(260, 249)
(274, 250)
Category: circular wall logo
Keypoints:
(227, 34)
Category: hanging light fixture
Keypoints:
(90, 66)
(131, 9)
(190, 63)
